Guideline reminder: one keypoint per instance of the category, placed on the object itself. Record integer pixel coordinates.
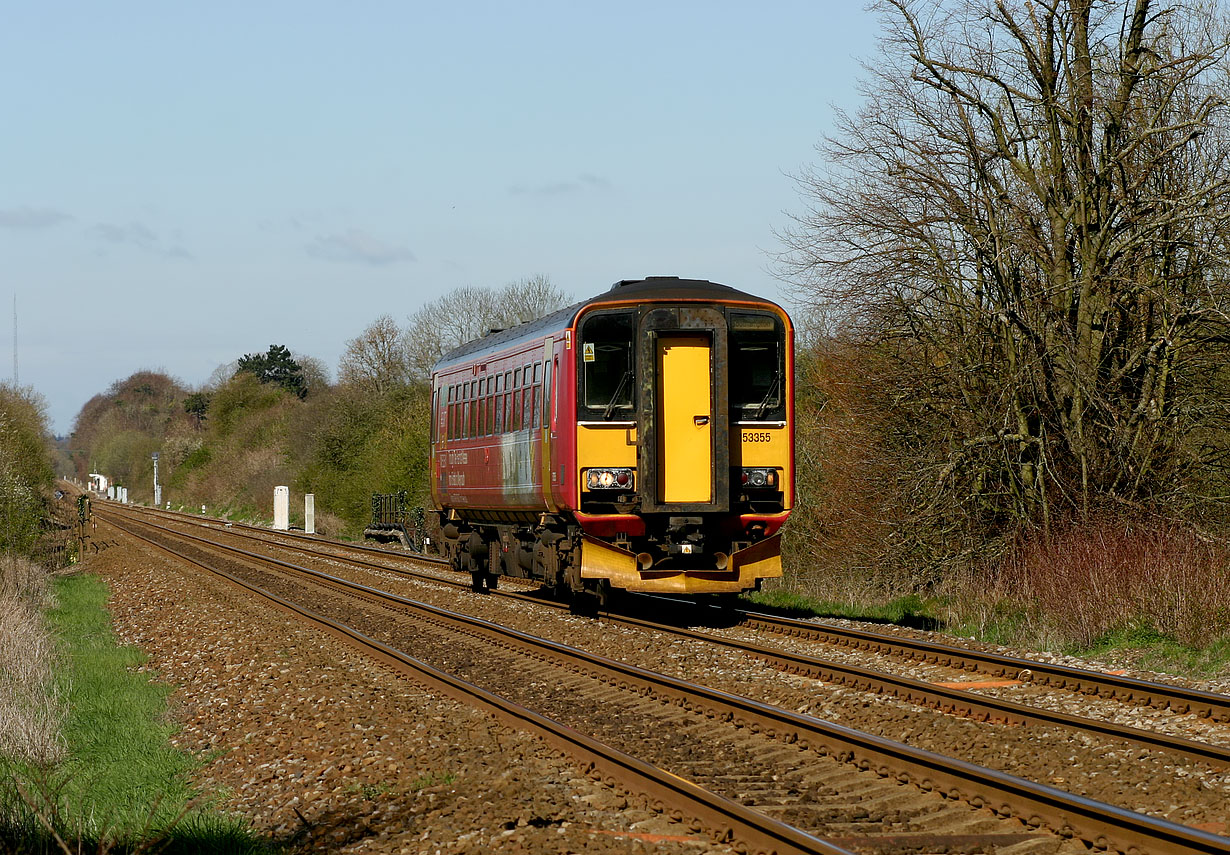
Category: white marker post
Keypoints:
(309, 513)
(281, 508)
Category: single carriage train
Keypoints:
(641, 440)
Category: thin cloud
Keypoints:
(584, 181)
(356, 247)
(26, 217)
(140, 236)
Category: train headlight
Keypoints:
(608, 478)
(760, 479)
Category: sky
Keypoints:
(184, 183)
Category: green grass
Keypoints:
(123, 787)
(1158, 652)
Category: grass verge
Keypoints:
(123, 787)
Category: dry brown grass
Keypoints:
(1111, 574)
(31, 711)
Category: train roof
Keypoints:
(669, 288)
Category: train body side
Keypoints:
(641, 440)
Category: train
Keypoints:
(641, 440)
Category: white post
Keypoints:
(309, 513)
(157, 486)
(124, 495)
(281, 508)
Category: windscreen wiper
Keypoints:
(623, 381)
(768, 396)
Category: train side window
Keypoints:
(455, 431)
(516, 378)
(514, 418)
(757, 366)
(537, 390)
(499, 413)
(536, 377)
(608, 386)
(482, 415)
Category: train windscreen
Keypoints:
(757, 365)
(607, 381)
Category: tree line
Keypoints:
(274, 417)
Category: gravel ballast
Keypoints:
(319, 747)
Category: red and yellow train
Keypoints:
(641, 440)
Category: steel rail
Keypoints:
(761, 832)
(947, 699)
(1067, 814)
(1127, 689)
(1115, 686)
(956, 701)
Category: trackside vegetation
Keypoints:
(85, 762)
(113, 782)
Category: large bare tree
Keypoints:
(1025, 226)
(469, 313)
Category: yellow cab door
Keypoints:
(685, 418)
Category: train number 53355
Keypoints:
(757, 436)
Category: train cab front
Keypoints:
(684, 444)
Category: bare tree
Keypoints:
(469, 313)
(378, 359)
(1026, 227)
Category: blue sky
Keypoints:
(181, 184)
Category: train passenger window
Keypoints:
(483, 421)
(608, 386)
(499, 413)
(757, 366)
(515, 420)
(534, 409)
(536, 374)
(517, 378)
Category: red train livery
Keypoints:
(641, 440)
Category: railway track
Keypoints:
(949, 698)
(798, 766)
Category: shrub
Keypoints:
(1118, 574)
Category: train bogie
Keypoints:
(641, 440)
